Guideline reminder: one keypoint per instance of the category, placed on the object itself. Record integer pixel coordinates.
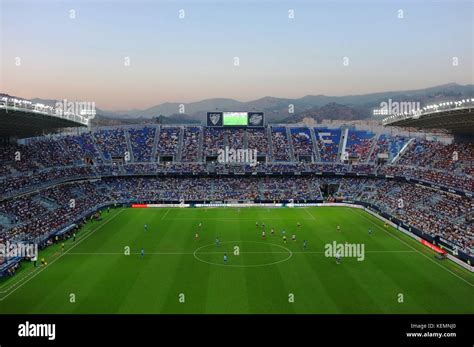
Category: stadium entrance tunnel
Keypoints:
(329, 189)
(243, 253)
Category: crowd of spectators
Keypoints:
(301, 140)
(32, 218)
(168, 141)
(190, 151)
(258, 139)
(111, 142)
(389, 145)
(434, 212)
(438, 177)
(142, 141)
(82, 147)
(43, 161)
(280, 144)
(12, 185)
(436, 155)
(47, 171)
(359, 144)
(213, 141)
(328, 143)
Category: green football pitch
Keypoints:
(179, 274)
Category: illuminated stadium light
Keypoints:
(426, 109)
(29, 106)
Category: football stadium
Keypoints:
(142, 219)
(167, 162)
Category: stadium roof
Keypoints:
(456, 121)
(21, 123)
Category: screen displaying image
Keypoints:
(236, 118)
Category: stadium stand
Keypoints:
(302, 142)
(279, 139)
(359, 144)
(90, 168)
(142, 140)
(328, 143)
(191, 144)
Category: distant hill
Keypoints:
(276, 109)
(318, 107)
(330, 111)
(101, 120)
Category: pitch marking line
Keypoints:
(166, 213)
(410, 246)
(241, 219)
(312, 217)
(191, 253)
(25, 276)
(59, 257)
(287, 251)
(18, 279)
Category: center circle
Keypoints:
(220, 250)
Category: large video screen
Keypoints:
(235, 118)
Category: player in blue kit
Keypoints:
(143, 252)
(225, 258)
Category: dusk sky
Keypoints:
(45, 53)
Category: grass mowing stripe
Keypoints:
(107, 281)
(25, 276)
(59, 257)
(408, 245)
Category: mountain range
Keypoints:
(317, 107)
